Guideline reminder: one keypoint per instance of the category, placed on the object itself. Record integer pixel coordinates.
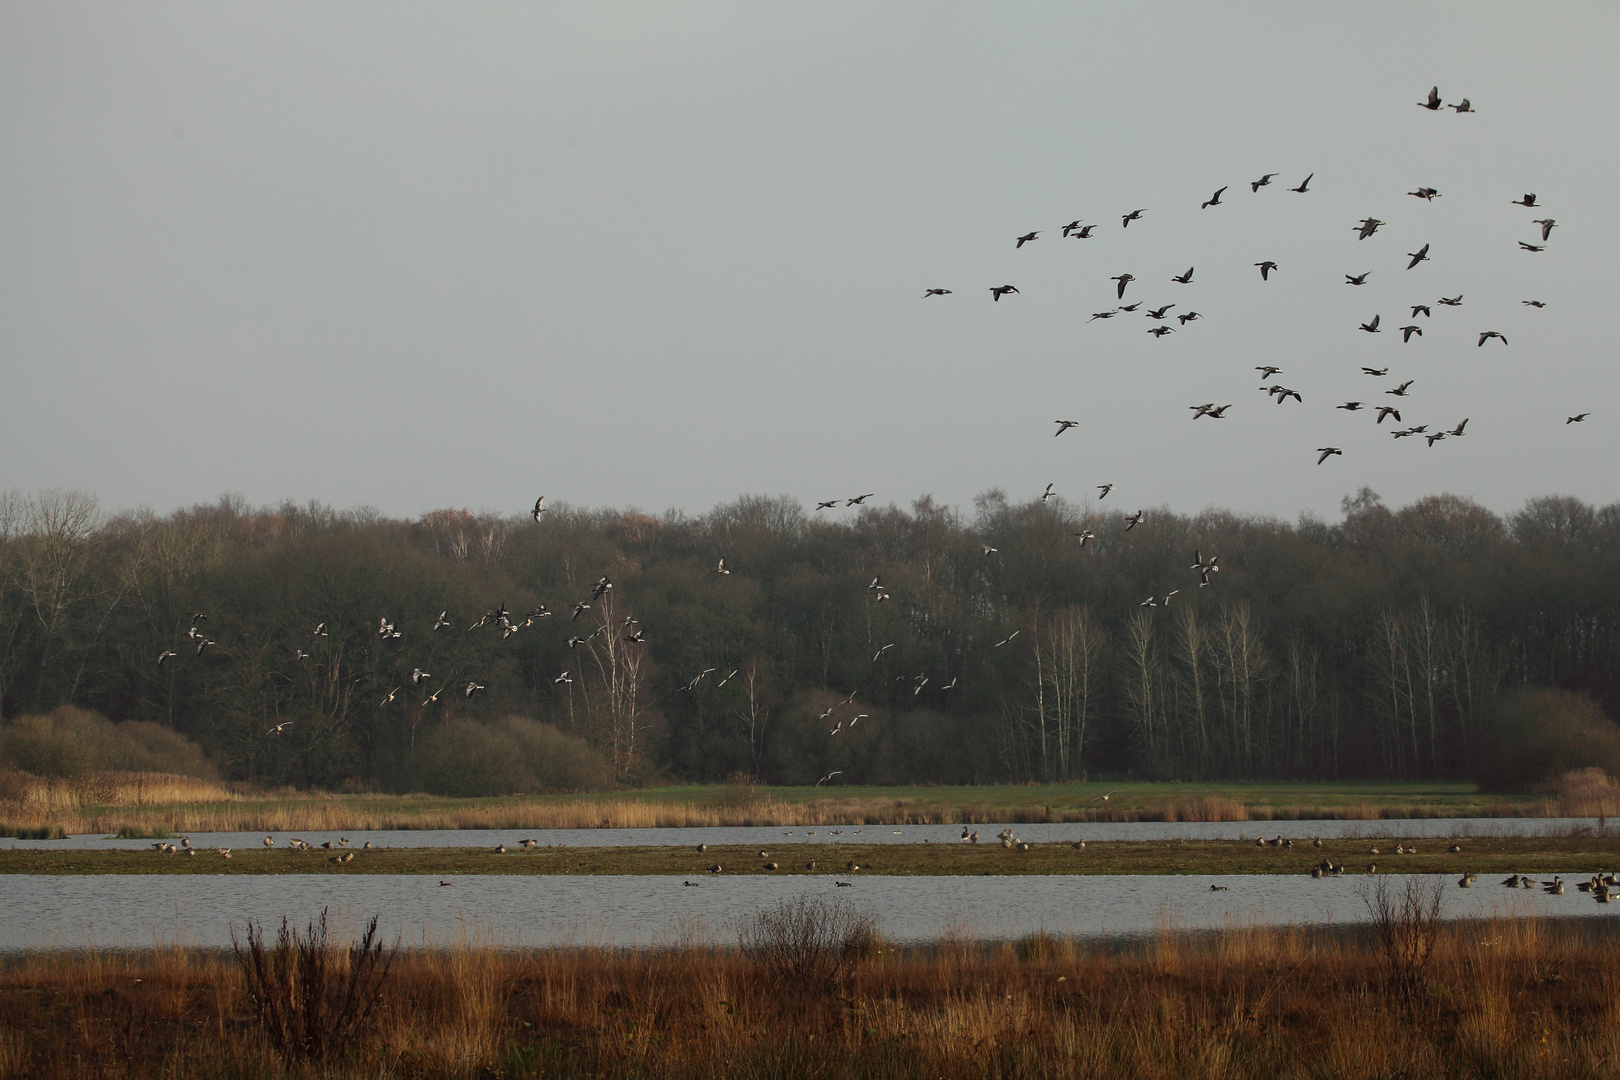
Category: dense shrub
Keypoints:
(513, 755)
(1538, 735)
(68, 742)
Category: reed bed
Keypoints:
(1516, 998)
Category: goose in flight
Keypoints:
(881, 651)
(1184, 279)
(579, 609)
(1381, 371)
(1533, 303)
(540, 611)
(1267, 371)
(433, 698)
(1160, 331)
(1452, 301)
(1350, 406)
(1304, 186)
(1371, 327)
(1134, 215)
(472, 688)
(639, 637)
(1026, 238)
(859, 500)
(827, 505)
(1400, 391)
(197, 617)
(1105, 489)
(1133, 520)
(1070, 227)
(1531, 247)
(1577, 418)
(1264, 181)
(988, 550)
(1102, 315)
(319, 631)
(728, 678)
(163, 657)
(1064, 425)
(602, 585)
(1105, 798)
(1408, 331)
(1218, 413)
(1282, 394)
(1456, 432)
(1436, 437)
(1015, 633)
(1420, 255)
(1488, 334)
(1048, 494)
(565, 677)
(936, 292)
(950, 685)
(1425, 193)
(1547, 225)
(1082, 233)
(417, 675)
(203, 644)
(1159, 313)
(1084, 535)
(1265, 269)
(1421, 309)
(1465, 106)
(392, 695)
(922, 681)
(442, 621)
(1151, 601)
(721, 569)
(1528, 200)
(277, 729)
(1386, 411)
(539, 508)
(1124, 280)
(1215, 199)
(1187, 316)
(1367, 227)
(300, 654)
(1211, 565)
(998, 291)
(1327, 452)
(1356, 279)
(1166, 601)
(829, 776)
(1433, 102)
(1200, 410)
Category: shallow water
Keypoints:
(879, 834)
(116, 911)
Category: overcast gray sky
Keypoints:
(661, 255)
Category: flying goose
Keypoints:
(1356, 279)
(1349, 406)
(1546, 228)
(1082, 233)
(1084, 535)
(1421, 309)
(442, 621)
(1577, 418)
(580, 608)
(1367, 227)
(1385, 411)
(1133, 520)
(1160, 331)
(721, 569)
(1264, 181)
(1465, 106)
(881, 651)
(1426, 193)
(1185, 279)
(1408, 331)
(203, 644)
(417, 675)
(998, 291)
(1159, 313)
(936, 292)
(1064, 425)
(1528, 200)
(1486, 335)
(539, 508)
(1457, 431)
(1267, 371)
(1006, 639)
(989, 551)
(1265, 269)
(1371, 327)
(1375, 371)
(859, 500)
(1187, 317)
(1048, 494)
(300, 654)
(1026, 238)
(392, 695)
(1124, 280)
(1420, 255)
(1452, 301)
(163, 657)
(1128, 308)
(1071, 226)
(1105, 489)
(1215, 199)
(277, 729)
(1436, 437)
(1400, 391)
(1433, 102)
(319, 631)
(565, 677)
(1304, 185)
(1134, 215)
(1327, 452)
(1530, 247)
(472, 688)
(827, 505)
(1102, 315)
(824, 779)
(1533, 303)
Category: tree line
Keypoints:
(944, 646)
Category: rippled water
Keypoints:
(115, 911)
(882, 834)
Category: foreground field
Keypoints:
(1522, 999)
(1579, 854)
(143, 805)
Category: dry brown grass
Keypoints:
(1515, 998)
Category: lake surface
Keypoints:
(115, 911)
(884, 834)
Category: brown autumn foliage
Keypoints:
(1521, 998)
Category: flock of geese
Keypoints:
(1276, 391)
